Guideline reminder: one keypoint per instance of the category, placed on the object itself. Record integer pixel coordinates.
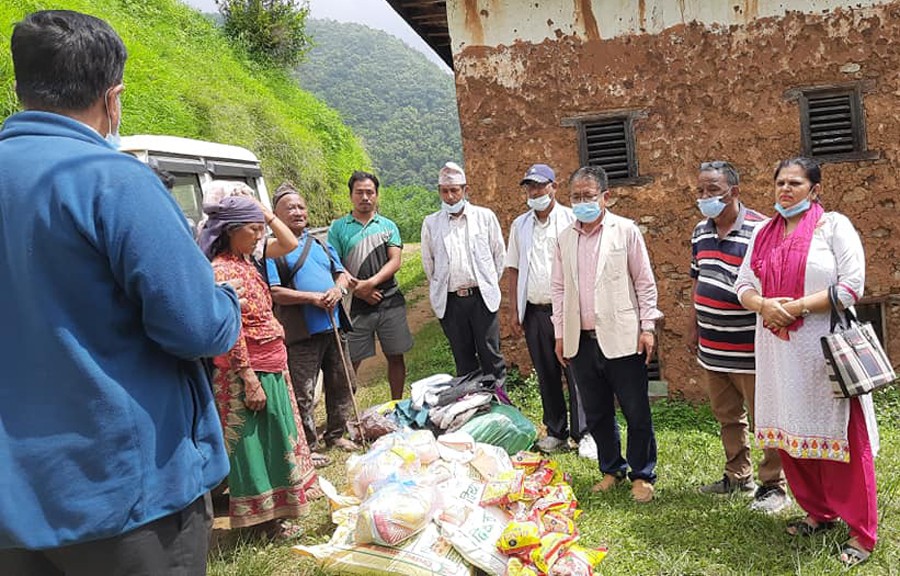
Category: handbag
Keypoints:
(854, 358)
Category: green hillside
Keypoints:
(400, 103)
(183, 78)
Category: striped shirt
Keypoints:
(726, 328)
(363, 249)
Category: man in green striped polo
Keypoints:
(370, 248)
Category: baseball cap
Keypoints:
(540, 173)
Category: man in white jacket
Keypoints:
(532, 244)
(462, 254)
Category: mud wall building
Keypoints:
(651, 88)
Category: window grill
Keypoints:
(832, 123)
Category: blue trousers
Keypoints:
(601, 382)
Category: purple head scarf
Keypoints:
(229, 210)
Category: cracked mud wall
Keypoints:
(707, 92)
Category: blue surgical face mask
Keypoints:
(113, 137)
(711, 207)
(540, 203)
(453, 208)
(587, 212)
(798, 208)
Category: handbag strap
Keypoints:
(849, 316)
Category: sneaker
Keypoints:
(550, 444)
(587, 448)
(770, 500)
(641, 491)
(726, 486)
(608, 482)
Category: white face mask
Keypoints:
(113, 136)
(540, 203)
(453, 208)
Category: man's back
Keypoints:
(107, 418)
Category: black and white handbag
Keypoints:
(854, 357)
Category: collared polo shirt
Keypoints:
(363, 248)
(316, 275)
(726, 329)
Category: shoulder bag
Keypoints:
(854, 357)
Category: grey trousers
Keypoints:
(174, 545)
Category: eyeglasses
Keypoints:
(535, 185)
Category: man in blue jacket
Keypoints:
(109, 439)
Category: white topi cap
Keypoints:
(451, 175)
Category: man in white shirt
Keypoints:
(532, 244)
(462, 254)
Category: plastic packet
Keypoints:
(552, 546)
(395, 511)
(577, 561)
(519, 538)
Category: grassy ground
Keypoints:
(680, 533)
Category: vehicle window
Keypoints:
(188, 195)
(251, 182)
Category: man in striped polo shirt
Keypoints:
(370, 248)
(722, 334)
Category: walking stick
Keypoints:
(347, 372)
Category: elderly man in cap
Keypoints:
(462, 253)
(307, 287)
(532, 243)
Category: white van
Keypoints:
(195, 163)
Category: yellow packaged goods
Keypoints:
(528, 461)
(394, 512)
(519, 537)
(553, 545)
(516, 567)
(504, 488)
(425, 554)
(577, 561)
(556, 522)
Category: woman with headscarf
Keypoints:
(216, 191)
(272, 476)
(827, 444)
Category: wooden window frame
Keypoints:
(627, 117)
(855, 91)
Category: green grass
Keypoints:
(681, 533)
(183, 78)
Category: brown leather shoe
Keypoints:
(608, 482)
(641, 491)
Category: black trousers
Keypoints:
(602, 381)
(541, 344)
(474, 335)
(175, 545)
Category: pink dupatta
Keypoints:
(780, 263)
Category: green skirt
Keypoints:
(272, 475)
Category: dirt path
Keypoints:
(418, 312)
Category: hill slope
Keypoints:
(183, 78)
(400, 103)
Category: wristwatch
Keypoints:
(344, 291)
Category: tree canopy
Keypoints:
(401, 104)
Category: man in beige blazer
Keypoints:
(604, 318)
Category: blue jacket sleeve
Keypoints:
(153, 256)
